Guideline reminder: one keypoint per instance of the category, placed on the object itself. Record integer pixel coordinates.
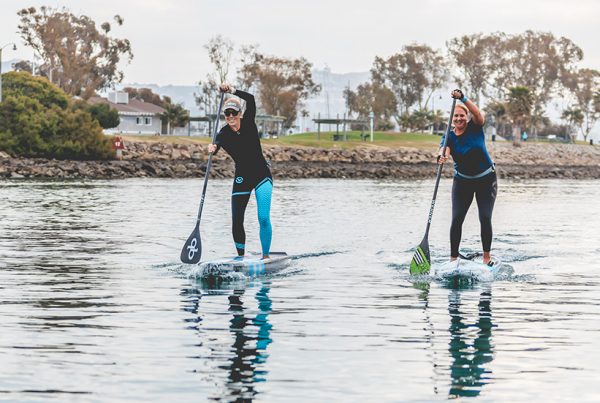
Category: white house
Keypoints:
(136, 116)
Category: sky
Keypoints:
(167, 36)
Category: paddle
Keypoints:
(421, 261)
(192, 250)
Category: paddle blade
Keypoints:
(193, 247)
(421, 261)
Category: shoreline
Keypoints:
(168, 160)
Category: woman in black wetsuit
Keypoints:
(474, 174)
(241, 141)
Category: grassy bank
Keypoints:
(352, 140)
(324, 140)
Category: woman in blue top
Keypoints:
(474, 174)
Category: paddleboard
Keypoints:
(470, 269)
(249, 265)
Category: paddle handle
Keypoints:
(439, 169)
(209, 163)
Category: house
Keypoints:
(136, 116)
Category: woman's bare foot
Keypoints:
(486, 257)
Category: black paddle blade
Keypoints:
(193, 247)
(421, 261)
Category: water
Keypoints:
(94, 305)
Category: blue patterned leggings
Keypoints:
(239, 200)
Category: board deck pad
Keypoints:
(468, 269)
(249, 265)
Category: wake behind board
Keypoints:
(250, 266)
(471, 269)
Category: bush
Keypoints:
(105, 115)
(37, 119)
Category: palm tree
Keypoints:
(519, 106)
(496, 111)
(175, 116)
(574, 118)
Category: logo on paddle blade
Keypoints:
(420, 262)
(192, 248)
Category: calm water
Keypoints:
(94, 305)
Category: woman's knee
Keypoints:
(485, 218)
(264, 221)
(458, 220)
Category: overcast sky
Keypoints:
(167, 36)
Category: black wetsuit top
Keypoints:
(244, 147)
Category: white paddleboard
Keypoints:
(467, 269)
(249, 265)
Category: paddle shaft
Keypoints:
(209, 163)
(439, 170)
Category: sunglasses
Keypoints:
(230, 112)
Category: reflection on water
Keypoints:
(250, 335)
(470, 345)
(94, 303)
(469, 339)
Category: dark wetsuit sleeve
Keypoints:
(218, 141)
(250, 112)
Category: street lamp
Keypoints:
(371, 117)
(2, 47)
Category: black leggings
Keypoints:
(484, 189)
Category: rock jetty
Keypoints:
(168, 160)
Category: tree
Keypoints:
(23, 65)
(421, 119)
(281, 83)
(207, 99)
(37, 119)
(497, 114)
(147, 95)
(574, 118)
(372, 97)
(412, 75)
(220, 52)
(519, 106)
(475, 58)
(75, 55)
(175, 115)
(584, 84)
(438, 121)
(536, 60)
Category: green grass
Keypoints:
(381, 139)
(353, 140)
(325, 140)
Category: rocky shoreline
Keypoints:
(165, 160)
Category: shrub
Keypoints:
(37, 119)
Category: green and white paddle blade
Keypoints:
(421, 261)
